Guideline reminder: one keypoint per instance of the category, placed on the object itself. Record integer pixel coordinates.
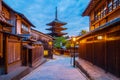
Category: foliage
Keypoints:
(83, 32)
(68, 44)
(59, 42)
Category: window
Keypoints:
(103, 11)
(25, 28)
(115, 4)
(98, 14)
(110, 6)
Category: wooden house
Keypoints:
(46, 41)
(10, 44)
(17, 45)
(101, 46)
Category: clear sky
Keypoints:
(41, 12)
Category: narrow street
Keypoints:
(57, 69)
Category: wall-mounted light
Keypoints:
(74, 39)
(50, 43)
(99, 37)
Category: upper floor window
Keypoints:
(110, 6)
(115, 3)
(25, 28)
(102, 11)
(98, 14)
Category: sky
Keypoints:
(41, 12)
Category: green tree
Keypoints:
(59, 42)
(83, 32)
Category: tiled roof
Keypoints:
(106, 25)
(56, 21)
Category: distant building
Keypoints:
(45, 41)
(101, 45)
(56, 29)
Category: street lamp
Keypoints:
(74, 40)
(51, 48)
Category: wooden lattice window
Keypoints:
(13, 52)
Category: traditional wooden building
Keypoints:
(56, 29)
(10, 44)
(45, 40)
(101, 45)
(17, 45)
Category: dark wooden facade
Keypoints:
(32, 53)
(45, 41)
(17, 47)
(10, 44)
(101, 46)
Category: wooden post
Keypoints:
(21, 52)
(106, 67)
(6, 53)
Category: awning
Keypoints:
(37, 42)
(28, 46)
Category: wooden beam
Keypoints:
(6, 53)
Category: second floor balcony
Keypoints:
(105, 11)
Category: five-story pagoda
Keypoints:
(56, 29)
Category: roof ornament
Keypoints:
(56, 16)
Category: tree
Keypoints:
(83, 32)
(59, 42)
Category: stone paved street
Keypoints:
(56, 69)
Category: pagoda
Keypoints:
(56, 27)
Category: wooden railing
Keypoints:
(107, 10)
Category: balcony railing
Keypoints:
(115, 5)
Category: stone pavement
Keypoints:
(58, 68)
(94, 72)
(21, 71)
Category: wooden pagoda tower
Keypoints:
(56, 27)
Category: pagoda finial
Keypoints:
(56, 14)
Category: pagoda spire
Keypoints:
(56, 14)
(56, 26)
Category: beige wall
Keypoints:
(20, 21)
(19, 25)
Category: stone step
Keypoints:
(16, 74)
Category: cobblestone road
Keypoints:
(56, 69)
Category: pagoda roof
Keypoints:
(56, 28)
(57, 34)
(90, 6)
(56, 21)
